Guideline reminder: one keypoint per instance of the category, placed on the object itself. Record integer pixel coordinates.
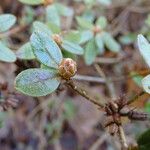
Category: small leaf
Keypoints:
(137, 78)
(39, 26)
(101, 22)
(105, 2)
(100, 43)
(32, 2)
(6, 22)
(28, 15)
(86, 36)
(25, 52)
(53, 27)
(128, 39)
(6, 55)
(90, 52)
(72, 47)
(67, 54)
(37, 82)
(85, 24)
(144, 140)
(147, 107)
(111, 43)
(146, 83)
(144, 48)
(64, 10)
(52, 15)
(73, 36)
(45, 49)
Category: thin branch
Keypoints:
(83, 93)
(112, 79)
(89, 78)
(136, 97)
(109, 83)
(122, 138)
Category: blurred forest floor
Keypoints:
(64, 120)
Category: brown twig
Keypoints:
(122, 138)
(109, 83)
(83, 93)
(136, 97)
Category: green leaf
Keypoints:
(6, 55)
(85, 24)
(28, 15)
(102, 22)
(52, 15)
(147, 107)
(100, 43)
(39, 26)
(128, 39)
(64, 10)
(31, 2)
(45, 49)
(111, 43)
(105, 2)
(144, 140)
(73, 36)
(72, 47)
(53, 27)
(144, 48)
(67, 54)
(146, 83)
(90, 52)
(25, 52)
(37, 82)
(6, 22)
(86, 36)
(137, 78)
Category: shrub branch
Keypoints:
(83, 93)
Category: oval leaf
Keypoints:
(72, 48)
(85, 24)
(52, 15)
(6, 22)
(32, 2)
(90, 52)
(45, 49)
(86, 36)
(6, 55)
(73, 36)
(64, 10)
(25, 52)
(37, 82)
(111, 43)
(39, 26)
(146, 83)
(101, 22)
(100, 43)
(144, 48)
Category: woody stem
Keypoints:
(83, 93)
(136, 97)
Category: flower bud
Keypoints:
(57, 39)
(67, 68)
